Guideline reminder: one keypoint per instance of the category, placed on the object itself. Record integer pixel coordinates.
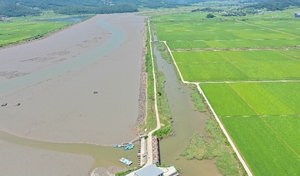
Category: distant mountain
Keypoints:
(53, 4)
(12, 10)
(32, 7)
(273, 5)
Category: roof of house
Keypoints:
(150, 170)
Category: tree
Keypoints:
(210, 15)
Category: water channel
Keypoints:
(73, 19)
(186, 122)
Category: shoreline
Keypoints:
(142, 114)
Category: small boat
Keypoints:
(125, 161)
(118, 146)
(129, 147)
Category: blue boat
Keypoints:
(129, 147)
(126, 161)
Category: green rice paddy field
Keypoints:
(13, 32)
(234, 33)
(223, 55)
(239, 65)
(263, 119)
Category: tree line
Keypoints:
(273, 5)
(72, 10)
(11, 8)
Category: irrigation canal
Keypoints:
(186, 122)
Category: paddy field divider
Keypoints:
(241, 159)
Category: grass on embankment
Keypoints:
(164, 52)
(163, 108)
(162, 102)
(197, 99)
(150, 123)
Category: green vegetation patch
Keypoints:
(163, 108)
(164, 52)
(198, 101)
(15, 32)
(163, 132)
(213, 144)
(265, 151)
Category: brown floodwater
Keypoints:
(186, 122)
(104, 156)
(106, 65)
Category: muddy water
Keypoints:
(117, 38)
(186, 123)
(104, 156)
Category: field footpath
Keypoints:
(149, 139)
(241, 159)
(267, 28)
(239, 49)
(258, 81)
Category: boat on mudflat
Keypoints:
(125, 161)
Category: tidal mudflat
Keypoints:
(80, 85)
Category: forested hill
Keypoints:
(273, 5)
(34, 7)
